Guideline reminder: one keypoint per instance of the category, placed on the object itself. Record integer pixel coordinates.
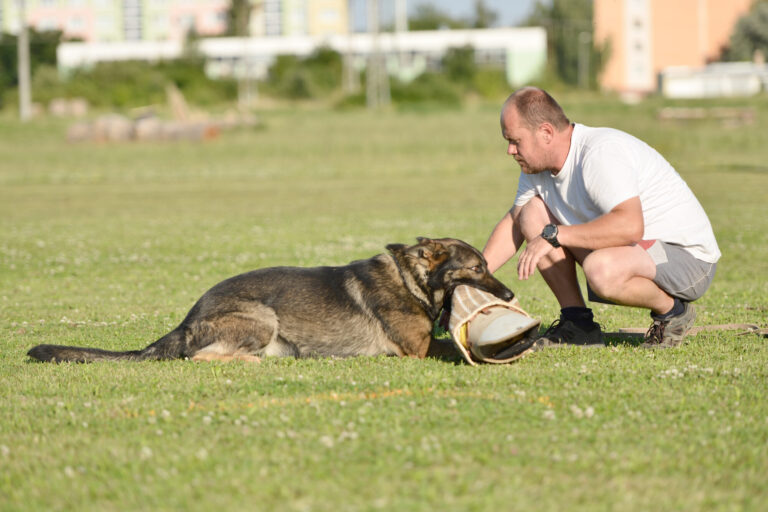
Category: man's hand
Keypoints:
(529, 258)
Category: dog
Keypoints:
(383, 305)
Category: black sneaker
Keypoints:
(670, 332)
(566, 332)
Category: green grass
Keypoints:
(109, 246)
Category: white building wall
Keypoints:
(524, 50)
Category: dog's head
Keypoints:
(443, 264)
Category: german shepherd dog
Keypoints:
(383, 305)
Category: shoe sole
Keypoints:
(673, 339)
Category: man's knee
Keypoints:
(601, 272)
(607, 270)
(534, 215)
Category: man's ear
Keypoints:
(547, 132)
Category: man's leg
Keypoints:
(634, 276)
(624, 275)
(576, 324)
(558, 268)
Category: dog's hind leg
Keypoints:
(214, 356)
(241, 335)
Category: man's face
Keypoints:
(525, 145)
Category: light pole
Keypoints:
(585, 49)
(377, 80)
(22, 42)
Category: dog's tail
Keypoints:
(170, 346)
(61, 354)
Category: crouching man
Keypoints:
(603, 199)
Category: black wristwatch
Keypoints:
(549, 233)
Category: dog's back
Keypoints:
(383, 305)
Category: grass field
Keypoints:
(109, 246)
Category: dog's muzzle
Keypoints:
(487, 329)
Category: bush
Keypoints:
(426, 88)
(133, 83)
(315, 76)
(459, 65)
(324, 67)
(749, 34)
(42, 49)
(119, 84)
(491, 83)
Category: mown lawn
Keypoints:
(109, 246)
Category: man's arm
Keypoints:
(622, 226)
(504, 241)
(619, 227)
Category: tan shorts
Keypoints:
(678, 272)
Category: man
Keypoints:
(608, 201)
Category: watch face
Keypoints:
(550, 231)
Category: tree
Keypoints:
(42, 48)
(429, 17)
(750, 34)
(459, 64)
(484, 17)
(238, 18)
(565, 21)
(316, 75)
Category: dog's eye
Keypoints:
(477, 268)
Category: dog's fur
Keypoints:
(383, 305)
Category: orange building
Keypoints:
(646, 36)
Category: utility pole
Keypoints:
(350, 76)
(22, 42)
(401, 16)
(401, 27)
(585, 49)
(377, 80)
(247, 92)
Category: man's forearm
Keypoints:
(620, 227)
(503, 243)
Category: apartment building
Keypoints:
(647, 36)
(171, 20)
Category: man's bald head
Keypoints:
(535, 106)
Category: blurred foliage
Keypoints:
(315, 76)
(129, 84)
(749, 35)
(429, 17)
(42, 50)
(459, 77)
(491, 83)
(430, 87)
(565, 20)
(108, 84)
(459, 65)
(132, 83)
(238, 14)
(484, 17)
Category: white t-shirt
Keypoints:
(606, 167)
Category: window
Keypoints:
(75, 24)
(47, 24)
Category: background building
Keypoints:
(171, 20)
(647, 36)
(521, 52)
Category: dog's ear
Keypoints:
(396, 248)
(431, 252)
